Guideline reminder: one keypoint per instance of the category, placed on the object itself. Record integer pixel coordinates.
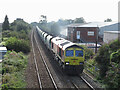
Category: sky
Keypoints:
(31, 10)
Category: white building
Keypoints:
(3, 51)
(110, 36)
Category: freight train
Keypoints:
(69, 55)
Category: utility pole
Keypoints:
(96, 39)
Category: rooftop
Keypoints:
(92, 24)
(3, 48)
(112, 32)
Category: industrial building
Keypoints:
(110, 36)
(90, 32)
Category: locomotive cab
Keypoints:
(74, 59)
(74, 56)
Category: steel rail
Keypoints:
(87, 75)
(43, 59)
(76, 87)
(87, 83)
(38, 76)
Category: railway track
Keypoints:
(40, 79)
(36, 66)
(79, 82)
(93, 82)
(73, 85)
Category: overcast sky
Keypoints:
(30, 10)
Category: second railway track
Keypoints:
(79, 82)
(45, 78)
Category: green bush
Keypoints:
(108, 60)
(13, 62)
(114, 45)
(19, 35)
(115, 56)
(13, 81)
(17, 45)
(88, 52)
(6, 33)
(13, 68)
(112, 79)
(103, 56)
(103, 59)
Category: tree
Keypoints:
(62, 22)
(79, 20)
(107, 53)
(5, 25)
(17, 45)
(43, 19)
(103, 59)
(19, 25)
(108, 20)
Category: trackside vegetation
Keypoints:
(108, 60)
(16, 39)
(88, 52)
(17, 45)
(105, 66)
(13, 68)
(5, 24)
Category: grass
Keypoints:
(13, 69)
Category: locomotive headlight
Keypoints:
(81, 63)
(67, 63)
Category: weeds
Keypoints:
(14, 65)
